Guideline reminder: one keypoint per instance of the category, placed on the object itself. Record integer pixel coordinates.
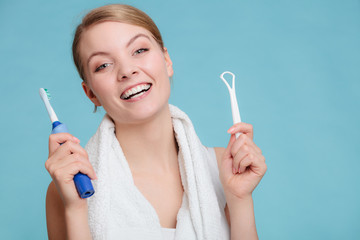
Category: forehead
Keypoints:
(107, 35)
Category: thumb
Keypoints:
(227, 160)
(227, 153)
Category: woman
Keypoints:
(154, 176)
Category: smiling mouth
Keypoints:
(136, 91)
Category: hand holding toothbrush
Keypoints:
(82, 181)
(66, 159)
(65, 210)
(68, 162)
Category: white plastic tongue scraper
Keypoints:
(234, 104)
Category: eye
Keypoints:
(102, 66)
(140, 51)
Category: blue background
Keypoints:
(298, 79)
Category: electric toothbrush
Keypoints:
(82, 182)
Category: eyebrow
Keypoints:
(127, 45)
(95, 54)
(136, 37)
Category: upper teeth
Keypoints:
(135, 90)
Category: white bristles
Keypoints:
(50, 110)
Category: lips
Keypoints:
(135, 91)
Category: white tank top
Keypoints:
(168, 233)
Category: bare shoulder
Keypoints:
(55, 214)
(219, 151)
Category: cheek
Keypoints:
(155, 64)
(100, 87)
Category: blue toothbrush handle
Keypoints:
(82, 182)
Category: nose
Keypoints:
(127, 72)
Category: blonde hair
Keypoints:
(117, 13)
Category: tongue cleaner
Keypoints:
(234, 104)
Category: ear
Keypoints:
(90, 94)
(168, 61)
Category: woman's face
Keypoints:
(126, 70)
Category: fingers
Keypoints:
(58, 138)
(244, 151)
(67, 167)
(250, 160)
(227, 159)
(66, 174)
(254, 163)
(68, 159)
(67, 148)
(242, 127)
(244, 139)
(227, 153)
(244, 157)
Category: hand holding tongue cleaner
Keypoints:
(82, 181)
(234, 104)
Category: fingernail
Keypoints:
(234, 170)
(76, 139)
(230, 130)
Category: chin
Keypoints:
(141, 113)
(148, 112)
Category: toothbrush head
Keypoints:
(47, 93)
(45, 96)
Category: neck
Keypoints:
(150, 144)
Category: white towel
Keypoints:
(118, 210)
